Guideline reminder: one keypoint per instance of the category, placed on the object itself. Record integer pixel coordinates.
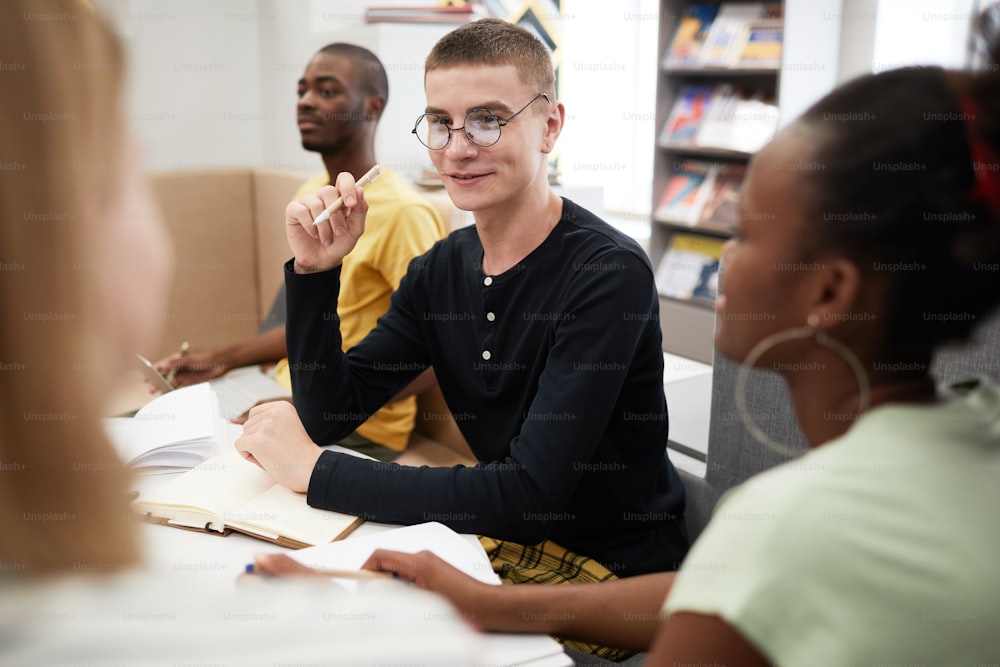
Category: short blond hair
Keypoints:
(62, 487)
(494, 42)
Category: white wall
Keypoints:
(194, 93)
(810, 53)
(922, 32)
(857, 38)
(608, 84)
(213, 83)
(830, 41)
(290, 33)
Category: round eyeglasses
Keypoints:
(481, 127)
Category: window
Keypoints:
(608, 83)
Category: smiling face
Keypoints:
(768, 278)
(484, 178)
(333, 111)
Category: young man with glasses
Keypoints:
(541, 322)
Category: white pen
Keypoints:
(372, 174)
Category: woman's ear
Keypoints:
(838, 293)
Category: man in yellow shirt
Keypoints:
(341, 96)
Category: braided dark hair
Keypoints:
(899, 192)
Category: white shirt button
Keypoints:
(491, 316)
(488, 280)
(486, 355)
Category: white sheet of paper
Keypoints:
(501, 649)
(443, 541)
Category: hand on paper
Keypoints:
(282, 565)
(323, 247)
(426, 570)
(274, 438)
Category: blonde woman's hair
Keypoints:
(62, 488)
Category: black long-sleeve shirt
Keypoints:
(553, 371)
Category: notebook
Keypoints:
(228, 493)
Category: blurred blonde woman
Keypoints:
(85, 272)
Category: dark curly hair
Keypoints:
(908, 188)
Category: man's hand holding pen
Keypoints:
(323, 246)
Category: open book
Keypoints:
(228, 493)
(176, 430)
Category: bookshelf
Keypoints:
(715, 106)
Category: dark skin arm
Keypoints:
(689, 638)
(422, 383)
(623, 613)
(619, 613)
(197, 366)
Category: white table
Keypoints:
(687, 385)
(214, 563)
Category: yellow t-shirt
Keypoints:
(400, 226)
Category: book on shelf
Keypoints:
(719, 123)
(420, 14)
(227, 493)
(179, 429)
(687, 190)
(760, 45)
(723, 117)
(686, 115)
(689, 268)
(722, 208)
(723, 38)
(738, 119)
(692, 29)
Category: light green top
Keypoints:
(881, 548)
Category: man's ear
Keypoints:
(553, 126)
(837, 291)
(374, 106)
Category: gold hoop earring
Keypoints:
(767, 343)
